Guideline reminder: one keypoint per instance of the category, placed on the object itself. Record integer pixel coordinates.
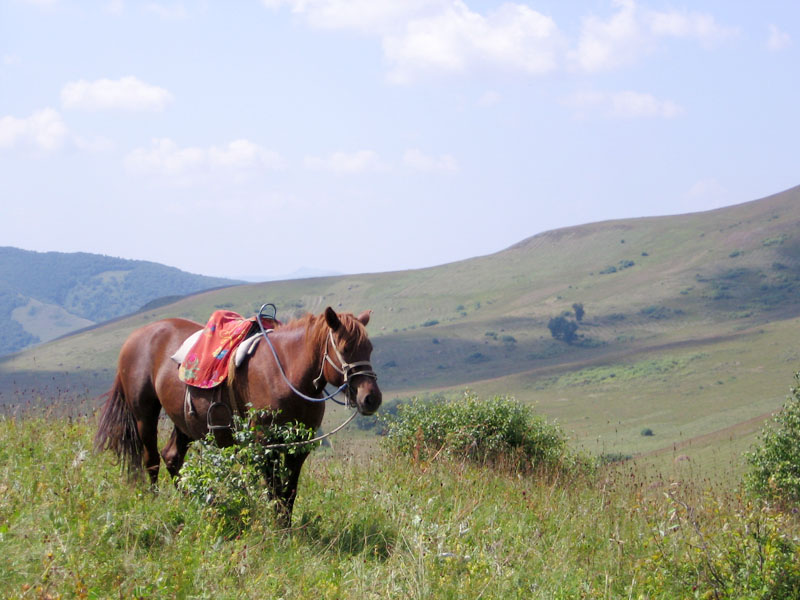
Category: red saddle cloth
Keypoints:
(206, 364)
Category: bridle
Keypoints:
(344, 368)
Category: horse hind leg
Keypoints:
(174, 451)
(147, 426)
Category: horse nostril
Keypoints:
(371, 402)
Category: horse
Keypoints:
(296, 360)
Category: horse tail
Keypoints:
(117, 429)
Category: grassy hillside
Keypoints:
(44, 295)
(689, 330)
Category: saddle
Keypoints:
(209, 356)
(204, 358)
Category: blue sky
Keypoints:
(259, 137)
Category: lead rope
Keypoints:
(316, 439)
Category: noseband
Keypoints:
(344, 368)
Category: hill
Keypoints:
(44, 295)
(689, 328)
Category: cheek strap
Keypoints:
(344, 368)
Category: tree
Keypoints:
(579, 312)
(564, 329)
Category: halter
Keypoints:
(345, 369)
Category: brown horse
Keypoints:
(308, 350)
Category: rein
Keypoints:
(311, 441)
(331, 396)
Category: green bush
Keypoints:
(231, 483)
(499, 429)
(718, 550)
(775, 463)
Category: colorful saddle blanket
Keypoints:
(207, 362)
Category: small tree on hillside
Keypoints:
(564, 329)
(579, 312)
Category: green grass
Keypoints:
(372, 525)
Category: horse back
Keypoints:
(144, 360)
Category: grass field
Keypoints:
(372, 525)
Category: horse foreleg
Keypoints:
(174, 451)
(284, 489)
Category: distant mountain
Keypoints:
(44, 295)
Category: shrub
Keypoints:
(479, 430)
(231, 483)
(563, 329)
(719, 551)
(647, 431)
(476, 358)
(775, 463)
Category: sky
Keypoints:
(253, 138)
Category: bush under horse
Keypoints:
(308, 349)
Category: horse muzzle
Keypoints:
(366, 395)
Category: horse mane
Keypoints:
(318, 327)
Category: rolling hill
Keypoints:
(689, 331)
(44, 295)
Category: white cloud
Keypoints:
(705, 194)
(698, 26)
(632, 31)
(421, 37)
(43, 130)
(419, 161)
(165, 158)
(778, 40)
(367, 16)
(167, 12)
(513, 37)
(624, 104)
(115, 7)
(489, 98)
(611, 42)
(343, 163)
(126, 93)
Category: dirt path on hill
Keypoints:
(736, 430)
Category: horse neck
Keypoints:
(299, 345)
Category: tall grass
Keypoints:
(375, 525)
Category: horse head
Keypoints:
(347, 360)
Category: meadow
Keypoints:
(370, 523)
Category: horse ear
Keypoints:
(332, 318)
(364, 317)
